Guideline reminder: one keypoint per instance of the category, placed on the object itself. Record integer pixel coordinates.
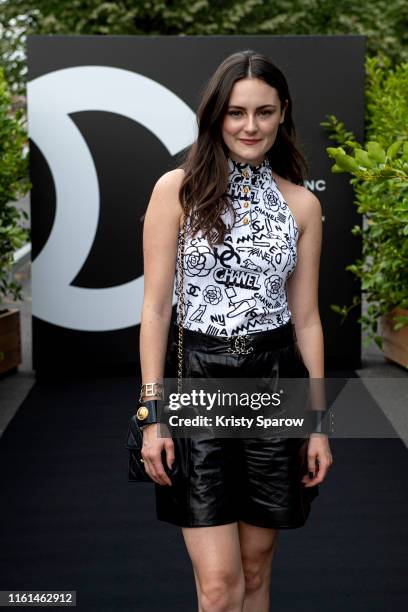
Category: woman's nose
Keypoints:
(251, 125)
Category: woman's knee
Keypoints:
(254, 580)
(222, 592)
(256, 574)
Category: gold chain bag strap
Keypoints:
(181, 305)
(134, 438)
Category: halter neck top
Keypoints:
(239, 287)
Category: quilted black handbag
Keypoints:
(134, 440)
(136, 471)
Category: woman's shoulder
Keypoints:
(304, 204)
(165, 196)
(170, 180)
(301, 193)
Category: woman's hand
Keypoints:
(152, 454)
(319, 459)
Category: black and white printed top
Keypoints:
(239, 287)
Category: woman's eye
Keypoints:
(238, 113)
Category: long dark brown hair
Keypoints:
(203, 190)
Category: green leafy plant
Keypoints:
(14, 183)
(379, 175)
(383, 23)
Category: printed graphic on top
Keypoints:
(239, 287)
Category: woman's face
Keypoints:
(251, 121)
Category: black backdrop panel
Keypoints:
(93, 166)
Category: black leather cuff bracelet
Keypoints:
(320, 421)
(147, 413)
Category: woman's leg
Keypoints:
(257, 547)
(216, 558)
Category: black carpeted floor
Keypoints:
(70, 520)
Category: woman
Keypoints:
(252, 254)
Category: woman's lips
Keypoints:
(249, 142)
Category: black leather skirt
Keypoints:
(216, 481)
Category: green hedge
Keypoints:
(379, 171)
(14, 183)
(383, 22)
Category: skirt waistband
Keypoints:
(240, 344)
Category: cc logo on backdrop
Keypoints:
(51, 99)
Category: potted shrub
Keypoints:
(14, 183)
(380, 178)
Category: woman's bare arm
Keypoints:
(302, 289)
(161, 226)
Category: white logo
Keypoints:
(51, 98)
(315, 184)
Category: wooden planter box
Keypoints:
(10, 340)
(395, 343)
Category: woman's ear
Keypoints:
(284, 107)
